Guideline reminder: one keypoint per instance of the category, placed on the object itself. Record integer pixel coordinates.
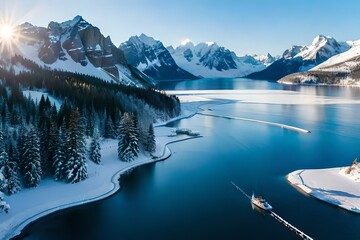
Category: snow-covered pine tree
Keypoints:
(53, 138)
(128, 147)
(95, 154)
(31, 158)
(4, 207)
(2, 142)
(43, 132)
(60, 155)
(76, 167)
(151, 142)
(20, 148)
(10, 173)
(109, 128)
(13, 152)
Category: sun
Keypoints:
(6, 32)
(9, 39)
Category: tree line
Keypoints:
(37, 140)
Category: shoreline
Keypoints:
(116, 188)
(14, 223)
(319, 84)
(16, 231)
(327, 185)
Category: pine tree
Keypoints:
(60, 155)
(2, 142)
(43, 129)
(53, 138)
(9, 172)
(13, 152)
(150, 143)
(95, 155)
(109, 128)
(10, 183)
(76, 168)
(3, 205)
(128, 147)
(21, 149)
(31, 155)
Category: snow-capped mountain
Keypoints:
(302, 58)
(211, 60)
(265, 59)
(75, 46)
(341, 69)
(151, 58)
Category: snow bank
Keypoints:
(328, 185)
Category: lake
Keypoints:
(189, 196)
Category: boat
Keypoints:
(261, 203)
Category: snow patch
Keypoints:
(31, 52)
(36, 96)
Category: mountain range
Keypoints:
(78, 46)
(211, 60)
(341, 69)
(151, 58)
(75, 46)
(302, 58)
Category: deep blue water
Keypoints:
(189, 196)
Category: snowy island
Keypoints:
(337, 186)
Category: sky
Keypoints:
(243, 26)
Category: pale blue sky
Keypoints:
(244, 26)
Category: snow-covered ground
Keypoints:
(102, 182)
(36, 96)
(328, 185)
(31, 52)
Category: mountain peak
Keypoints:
(210, 43)
(322, 38)
(78, 21)
(147, 40)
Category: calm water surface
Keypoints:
(189, 196)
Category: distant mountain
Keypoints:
(75, 46)
(151, 58)
(211, 60)
(265, 59)
(302, 58)
(341, 69)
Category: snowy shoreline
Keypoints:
(319, 84)
(328, 185)
(102, 181)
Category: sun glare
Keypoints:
(6, 32)
(9, 39)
